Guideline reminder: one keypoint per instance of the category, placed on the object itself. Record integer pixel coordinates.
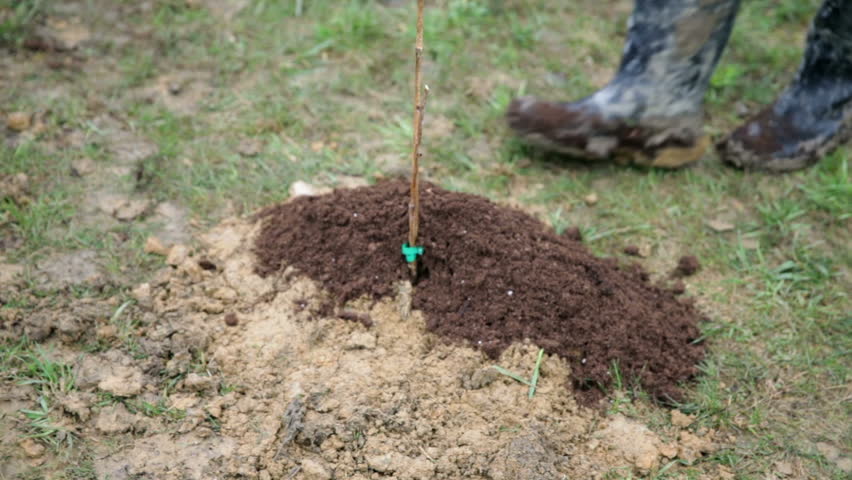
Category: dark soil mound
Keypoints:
(492, 276)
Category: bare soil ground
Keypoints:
(266, 388)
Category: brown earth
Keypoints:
(686, 266)
(491, 276)
(251, 382)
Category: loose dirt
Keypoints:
(491, 276)
(215, 372)
(686, 266)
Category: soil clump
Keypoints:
(491, 276)
(686, 266)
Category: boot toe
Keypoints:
(775, 142)
(582, 131)
(752, 143)
(559, 127)
(528, 115)
(518, 115)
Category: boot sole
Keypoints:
(665, 157)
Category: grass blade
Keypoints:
(512, 375)
(534, 380)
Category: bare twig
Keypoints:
(414, 205)
(420, 96)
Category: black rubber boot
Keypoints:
(814, 114)
(651, 112)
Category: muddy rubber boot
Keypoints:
(651, 112)
(814, 114)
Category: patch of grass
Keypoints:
(666, 471)
(40, 214)
(226, 388)
(138, 405)
(31, 365)
(355, 24)
(41, 426)
(626, 395)
(10, 353)
(213, 422)
(137, 68)
(17, 18)
(155, 409)
(447, 29)
(127, 323)
(25, 158)
(829, 188)
(199, 363)
(785, 344)
(83, 470)
(38, 221)
(779, 219)
(557, 220)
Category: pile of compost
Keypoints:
(491, 276)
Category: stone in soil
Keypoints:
(490, 276)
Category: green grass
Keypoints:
(42, 426)
(30, 364)
(829, 189)
(83, 469)
(36, 222)
(350, 26)
(326, 92)
(16, 20)
(143, 407)
(664, 472)
(27, 364)
(40, 215)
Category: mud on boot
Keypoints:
(814, 114)
(651, 112)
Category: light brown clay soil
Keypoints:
(270, 389)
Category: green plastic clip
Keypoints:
(411, 253)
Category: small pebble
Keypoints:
(231, 319)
